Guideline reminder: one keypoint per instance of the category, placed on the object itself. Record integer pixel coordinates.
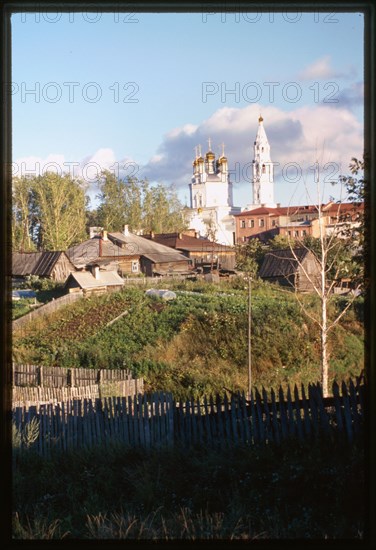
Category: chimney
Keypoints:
(125, 230)
(197, 234)
(180, 236)
(95, 271)
(152, 235)
(104, 235)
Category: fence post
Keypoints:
(40, 369)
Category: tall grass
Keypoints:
(293, 491)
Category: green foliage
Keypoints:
(48, 212)
(26, 436)
(196, 344)
(280, 242)
(138, 204)
(249, 256)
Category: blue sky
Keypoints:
(137, 92)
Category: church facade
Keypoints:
(212, 212)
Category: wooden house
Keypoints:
(302, 274)
(200, 250)
(156, 259)
(129, 255)
(53, 265)
(107, 254)
(94, 281)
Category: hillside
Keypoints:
(196, 344)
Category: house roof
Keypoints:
(281, 263)
(35, 263)
(302, 209)
(156, 252)
(86, 279)
(97, 249)
(262, 210)
(180, 241)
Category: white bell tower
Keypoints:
(263, 176)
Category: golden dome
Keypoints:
(222, 159)
(210, 154)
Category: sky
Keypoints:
(136, 93)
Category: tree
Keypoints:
(48, 212)
(60, 210)
(328, 250)
(111, 212)
(249, 256)
(139, 205)
(356, 190)
(22, 214)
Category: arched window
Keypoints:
(263, 169)
(262, 149)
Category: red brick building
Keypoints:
(293, 221)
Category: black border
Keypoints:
(13, 6)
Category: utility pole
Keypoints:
(249, 336)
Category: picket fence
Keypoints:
(158, 421)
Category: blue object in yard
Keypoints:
(18, 294)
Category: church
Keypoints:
(212, 211)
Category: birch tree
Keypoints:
(60, 210)
(328, 252)
(22, 215)
(48, 212)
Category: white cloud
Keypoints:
(322, 68)
(303, 136)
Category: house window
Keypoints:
(261, 222)
(242, 223)
(251, 223)
(263, 169)
(273, 223)
(134, 266)
(304, 233)
(296, 233)
(244, 239)
(289, 233)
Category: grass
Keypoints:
(197, 344)
(287, 492)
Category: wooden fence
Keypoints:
(157, 420)
(55, 377)
(33, 384)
